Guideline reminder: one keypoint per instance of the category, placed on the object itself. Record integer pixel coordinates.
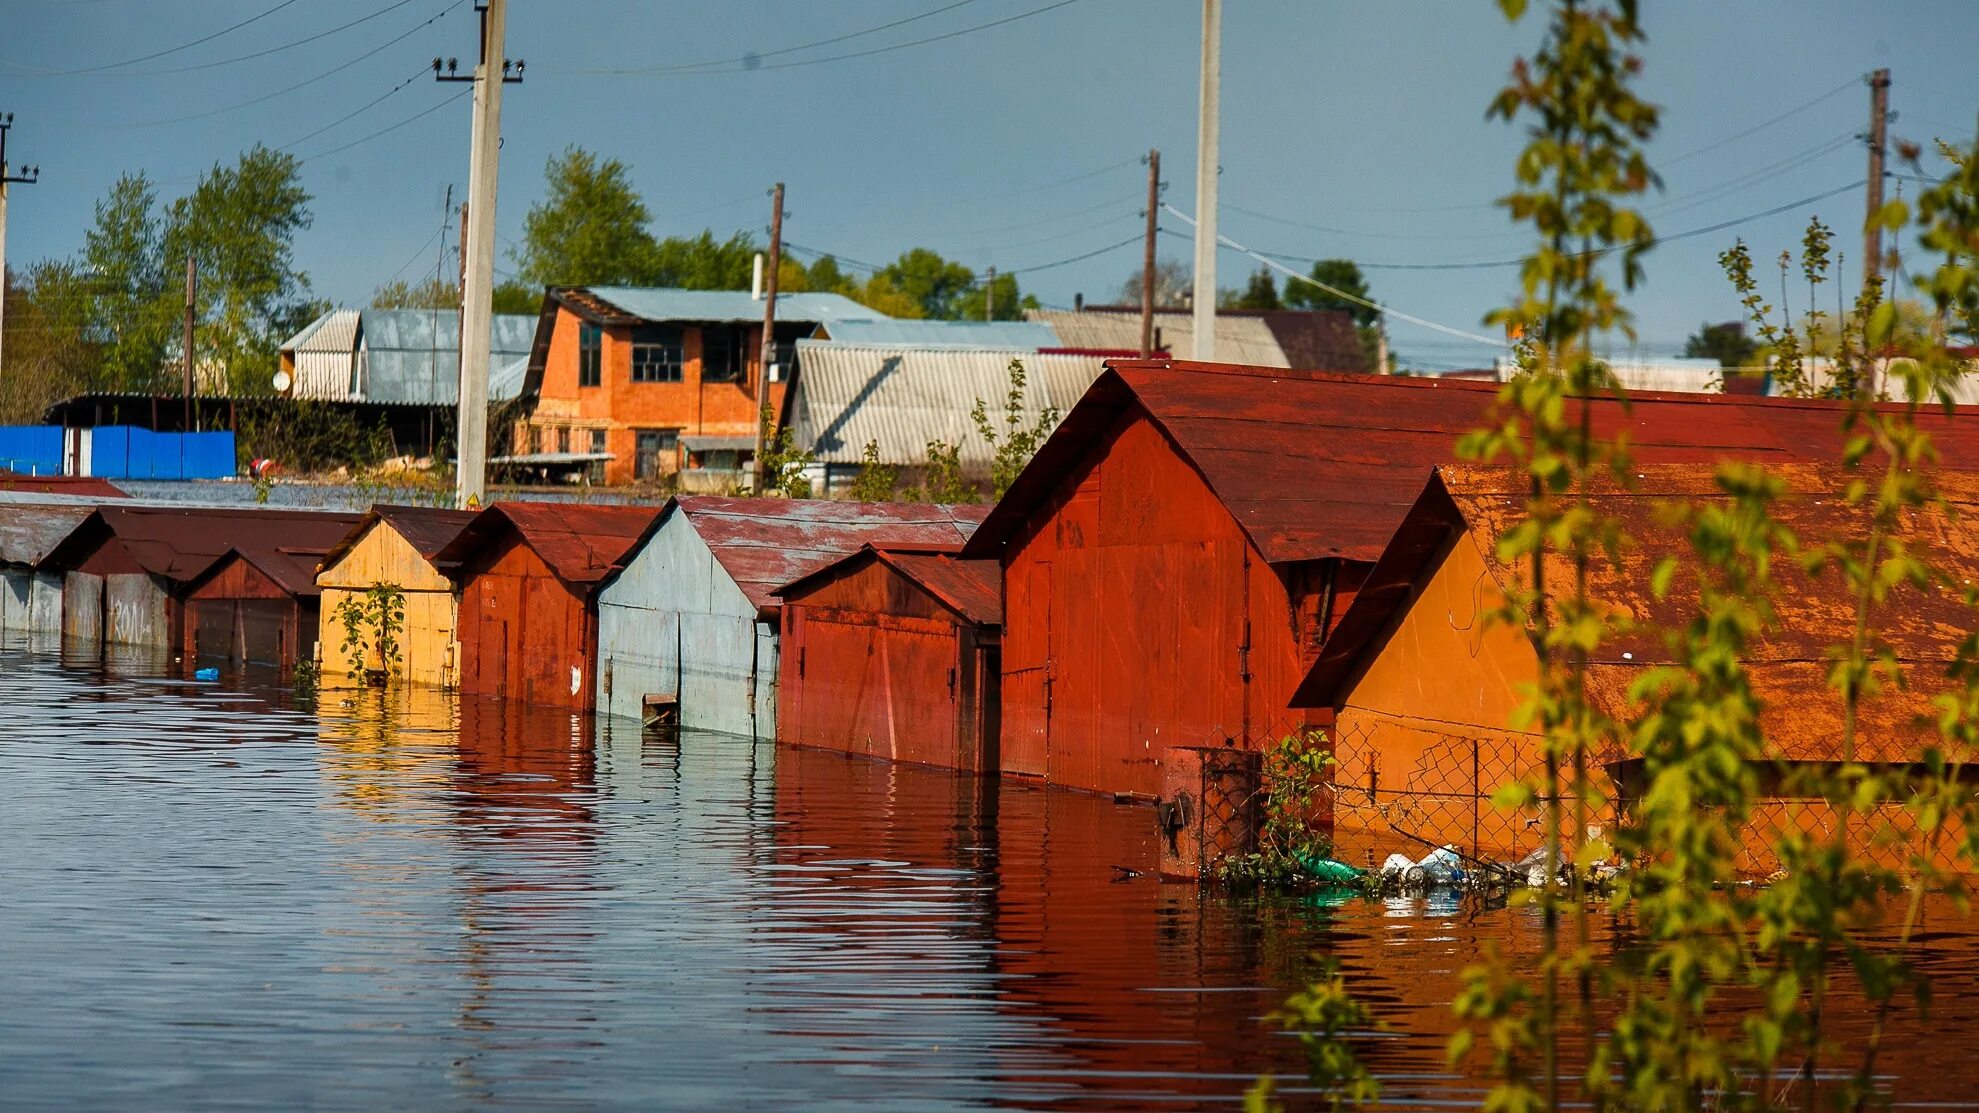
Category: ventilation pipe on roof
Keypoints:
(756, 279)
(1078, 302)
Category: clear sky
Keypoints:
(1351, 130)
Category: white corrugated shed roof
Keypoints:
(335, 331)
(1239, 339)
(660, 303)
(902, 398)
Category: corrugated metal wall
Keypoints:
(31, 449)
(524, 635)
(429, 650)
(674, 623)
(128, 452)
(31, 602)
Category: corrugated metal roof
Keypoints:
(335, 331)
(659, 303)
(581, 542)
(79, 486)
(179, 543)
(708, 442)
(847, 396)
(29, 532)
(1244, 340)
(292, 569)
(428, 529)
(764, 544)
(505, 379)
(973, 587)
(1788, 662)
(1313, 464)
(892, 333)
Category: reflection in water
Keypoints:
(404, 900)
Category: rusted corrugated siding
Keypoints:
(767, 543)
(877, 661)
(241, 610)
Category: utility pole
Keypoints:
(1872, 234)
(478, 248)
(28, 176)
(1206, 170)
(1147, 257)
(774, 263)
(192, 295)
(989, 296)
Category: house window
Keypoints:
(597, 467)
(721, 355)
(563, 438)
(597, 440)
(590, 355)
(535, 439)
(657, 354)
(650, 449)
(785, 361)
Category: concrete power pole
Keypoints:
(1147, 257)
(28, 176)
(771, 267)
(989, 296)
(1206, 169)
(192, 299)
(478, 288)
(1879, 119)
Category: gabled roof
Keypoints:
(766, 543)
(428, 529)
(292, 570)
(412, 356)
(661, 304)
(1241, 338)
(1313, 464)
(179, 543)
(970, 588)
(1787, 664)
(334, 331)
(1026, 336)
(582, 543)
(29, 531)
(849, 395)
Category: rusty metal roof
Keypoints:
(179, 543)
(428, 529)
(970, 588)
(80, 486)
(292, 569)
(766, 543)
(1315, 464)
(581, 542)
(1788, 664)
(29, 531)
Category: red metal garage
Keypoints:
(256, 607)
(894, 653)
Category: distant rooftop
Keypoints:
(661, 303)
(891, 333)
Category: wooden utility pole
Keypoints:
(1872, 233)
(192, 298)
(1206, 169)
(28, 176)
(773, 264)
(1147, 257)
(989, 296)
(478, 250)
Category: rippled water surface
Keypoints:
(212, 898)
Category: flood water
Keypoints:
(210, 897)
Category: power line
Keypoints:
(1110, 203)
(162, 53)
(394, 41)
(746, 60)
(1763, 125)
(1080, 231)
(747, 68)
(389, 127)
(305, 40)
(417, 74)
(1337, 292)
(1093, 254)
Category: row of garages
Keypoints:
(1198, 555)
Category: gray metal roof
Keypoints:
(892, 333)
(659, 303)
(335, 331)
(1239, 339)
(902, 398)
(30, 531)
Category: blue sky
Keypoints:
(1349, 129)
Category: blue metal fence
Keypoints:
(129, 452)
(31, 449)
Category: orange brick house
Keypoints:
(645, 382)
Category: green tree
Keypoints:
(1261, 292)
(1343, 275)
(1727, 343)
(876, 480)
(1010, 301)
(430, 294)
(49, 351)
(589, 229)
(1171, 285)
(122, 286)
(704, 263)
(940, 287)
(515, 296)
(1012, 448)
(240, 224)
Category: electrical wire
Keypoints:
(421, 72)
(1337, 292)
(162, 53)
(388, 128)
(394, 41)
(1093, 254)
(1110, 203)
(1080, 231)
(745, 67)
(1761, 126)
(304, 41)
(745, 59)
